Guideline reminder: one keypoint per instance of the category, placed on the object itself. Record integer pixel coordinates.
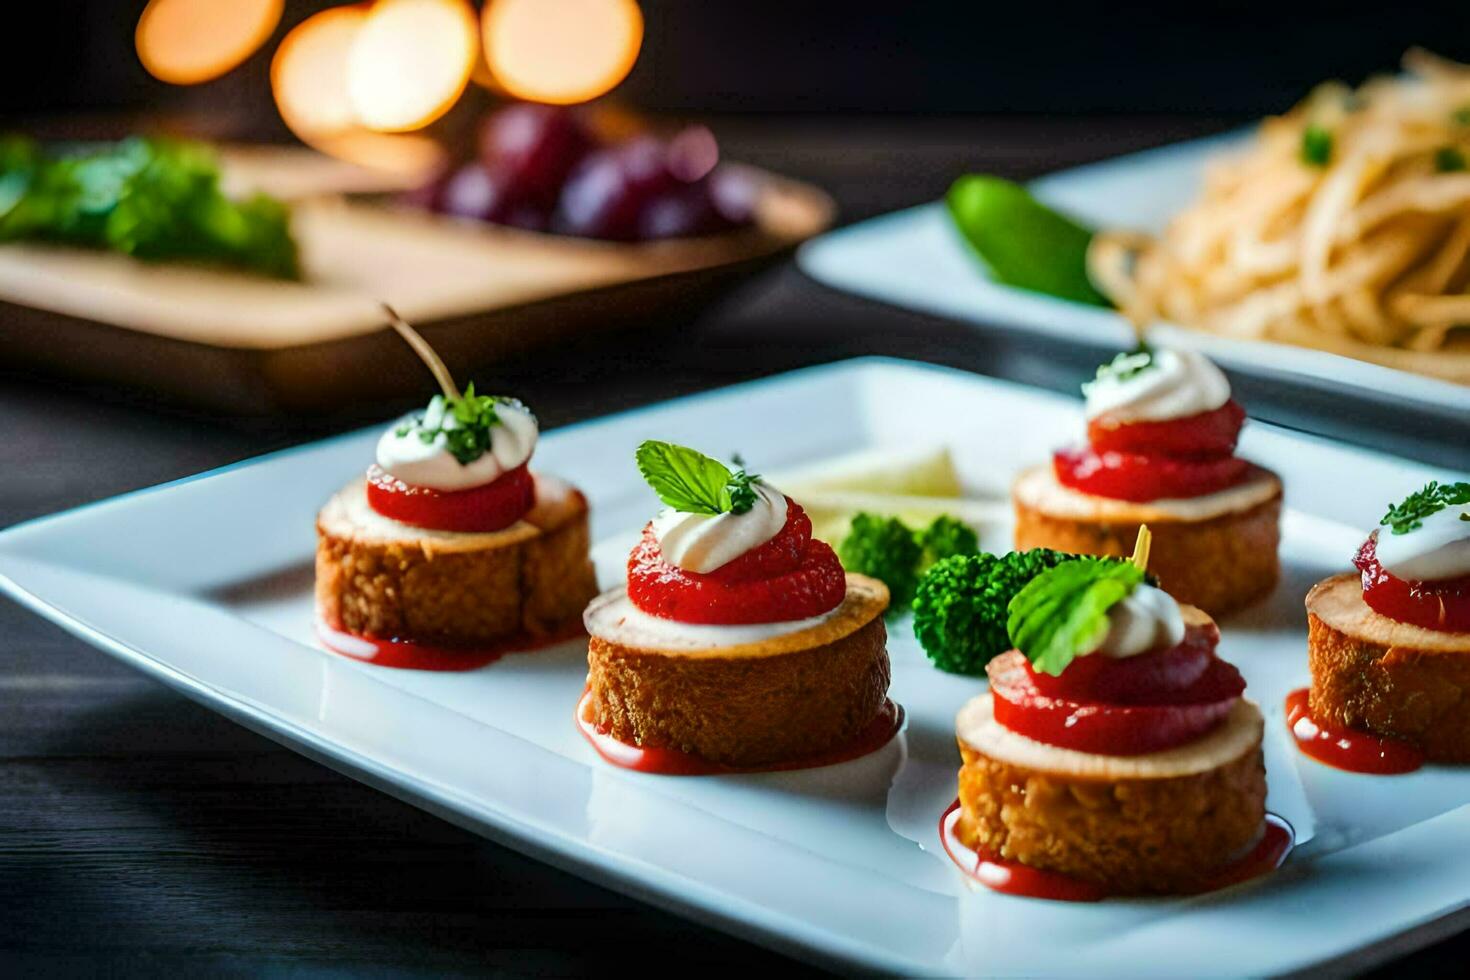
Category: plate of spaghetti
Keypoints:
(1331, 242)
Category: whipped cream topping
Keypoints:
(1148, 619)
(701, 543)
(1175, 385)
(431, 464)
(1439, 548)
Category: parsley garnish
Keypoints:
(1317, 145)
(464, 422)
(691, 482)
(1122, 367)
(1409, 514)
(1448, 159)
(154, 199)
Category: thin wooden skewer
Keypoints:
(425, 352)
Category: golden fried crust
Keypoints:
(1373, 673)
(1131, 836)
(741, 710)
(383, 579)
(1220, 565)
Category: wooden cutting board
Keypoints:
(244, 344)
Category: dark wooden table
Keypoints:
(142, 834)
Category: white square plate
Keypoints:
(206, 585)
(916, 259)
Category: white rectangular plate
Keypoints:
(206, 585)
(916, 259)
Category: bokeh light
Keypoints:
(561, 51)
(309, 72)
(309, 81)
(186, 42)
(410, 62)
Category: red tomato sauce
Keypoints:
(1346, 748)
(1014, 878)
(405, 654)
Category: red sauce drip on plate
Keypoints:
(1442, 605)
(492, 507)
(1141, 461)
(675, 762)
(1015, 878)
(1119, 706)
(402, 654)
(1347, 749)
(792, 576)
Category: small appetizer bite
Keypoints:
(1114, 753)
(450, 541)
(1389, 646)
(738, 640)
(1161, 430)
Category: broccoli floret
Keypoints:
(960, 605)
(884, 548)
(947, 537)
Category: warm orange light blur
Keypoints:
(561, 51)
(186, 42)
(309, 81)
(411, 62)
(309, 72)
(410, 155)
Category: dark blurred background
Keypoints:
(782, 56)
(142, 835)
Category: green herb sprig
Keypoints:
(1449, 159)
(1122, 367)
(691, 482)
(1408, 514)
(154, 199)
(1316, 146)
(464, 422)
(1063, 612)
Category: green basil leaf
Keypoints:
(1063, 612)
(687, 480)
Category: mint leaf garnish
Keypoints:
(1408, 515)
(691, 482)
(1063, 612)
